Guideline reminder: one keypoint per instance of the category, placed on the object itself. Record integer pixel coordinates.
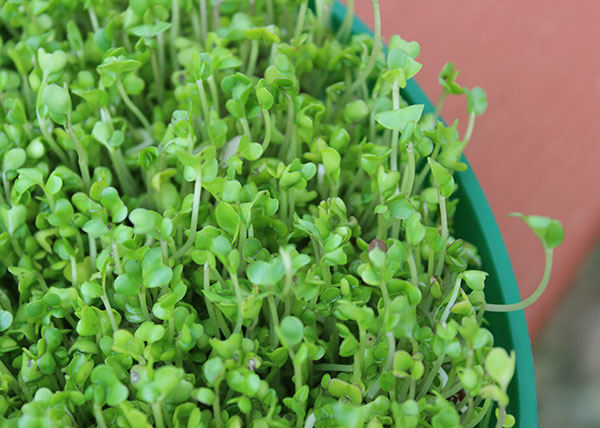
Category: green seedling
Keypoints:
(222, 214)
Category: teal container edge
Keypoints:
(476, 223)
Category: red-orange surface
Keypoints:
(537, 148)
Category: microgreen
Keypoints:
(223, 214)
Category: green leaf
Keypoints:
(415, 231)
(51, 62)
(128, 284)
(411, 48)
(265, 98)
(145, 221)
(227, 218)
(6, 320)
(154, 272)
(14, 159)
(356, 111)
(399, 59)
(88, 324)
(500, 366)
(443, 179)
(476, 101)
(212, 370)
(119, 65)
(149, 31)
(58, 102)
(95, 228)
(231, 191)
(398, 119)
(291, 331)
(447, 79)
(150, 332)
(549, 231)
(331, 160)
(204, 395)
(101, 132)
(475, 279)
(109, 198)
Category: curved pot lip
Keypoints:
(510, 329)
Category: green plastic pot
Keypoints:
(475, 222)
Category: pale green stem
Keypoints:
(6, 185)
(203, 101)
(374, 53)
(346, 26)
(268, 129)
(372, 134)
(217, 407)
(253, 57)
(321, 24)
(195, 24)
(161, 53)
(246, 127)
(474, 422)
(214, 93)
(99, 416)
(107, 305)
(438, 107)
(452, 300)
(358, 357)
(203, 19)
(125, 179)
(174, 32)
(93, 252)
(536, 294)
(194, 220)
(395, 132)
(270, 12)
(333, 367)
(274, 321)
(51, 141)
(414, 275)
(408, 180)
(82, 156)
(158, 81)
(391, 340)
(300, 21)
(157, 413)
(430, 377)
(73, 271)
(27, 94)
(93, 18)
(209, 306)
(143, 304)
(116, 258)
(501, 416)
(445, 233)
(469, 131)
(297, 371)
(240, 302)
(288, 132)
(425, 170)
(136, 111)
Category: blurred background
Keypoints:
(535, 151)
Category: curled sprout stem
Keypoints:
(534, 296)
